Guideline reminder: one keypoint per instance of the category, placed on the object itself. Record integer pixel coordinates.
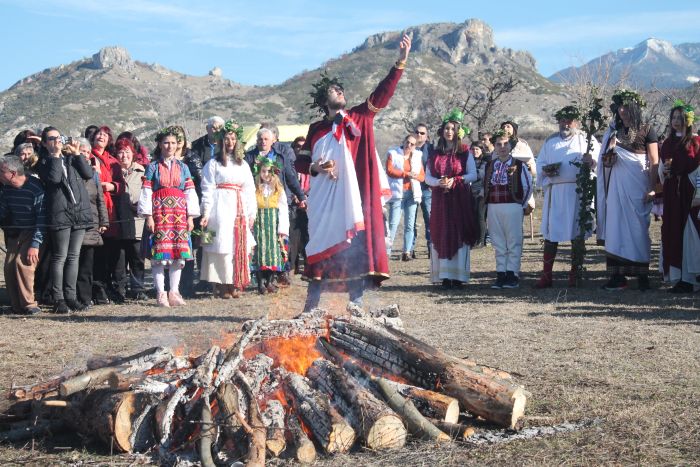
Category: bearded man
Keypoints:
(346, 229)
(557, 174)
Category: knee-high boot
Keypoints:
(550, 253)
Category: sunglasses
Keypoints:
(53, 138)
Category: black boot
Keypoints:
(643, 282)
(259, 279)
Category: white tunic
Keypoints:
(561, 202)
(623, 211)
(220, 205)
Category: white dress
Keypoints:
(561, 202)
(224, 190)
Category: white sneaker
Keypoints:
(163, 300)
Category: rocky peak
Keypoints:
(216, 72)
(112, 57)
(467, 43)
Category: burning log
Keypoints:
(137, 363)
(165, 413)
(482, 393)
(205, 370)
(273, 417)
(304, 449)
(331, 430)
(430, 403)
(227, 398)
(207, 435)
(257, 434)
(378, 425)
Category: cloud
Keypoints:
(576, 30)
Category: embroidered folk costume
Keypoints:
(228, 201)
(508, 191)
(168, 195)
(453, 230)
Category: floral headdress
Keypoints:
(457, 116)
(232, 126)
(264, 161)
(570, 112)
(500, 133)
(625, 97)
(169, 131)
(320, 93)
(688, 110)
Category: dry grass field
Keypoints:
(631, 359)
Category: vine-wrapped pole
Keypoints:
(592, 121)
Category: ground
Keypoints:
(631, 358)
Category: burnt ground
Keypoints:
(629, 359)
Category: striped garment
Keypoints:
(24, 209)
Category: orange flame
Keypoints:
(295, 354)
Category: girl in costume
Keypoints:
(228, 212)
(271, 226)
(169, 203)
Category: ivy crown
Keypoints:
(319, 95)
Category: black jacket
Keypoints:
(288, 175)
(64, 210)
(198, 155)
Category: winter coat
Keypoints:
(99, 212)
(67, 200)
(132, 225)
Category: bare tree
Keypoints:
(485, 94)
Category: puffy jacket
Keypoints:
(99, 211)
(67, 200)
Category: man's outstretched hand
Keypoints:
(404, 48)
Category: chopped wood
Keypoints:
(460, 431)
(40, 390)
(304, 449)
(55, 403)
(273, 417)
(205, 370)
(378, 425)
(234, 355)
(430, 403)
(257, 436)
(498, 400)
(227, 399)
(331, 430)
(206, 437)
(257, 370)
(165, 413)
(417, 424)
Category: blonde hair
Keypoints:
(275, 181)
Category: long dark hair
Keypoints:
(635, 113)
(43, 152)
(449, 147)
(168, 131)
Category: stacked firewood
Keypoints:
(286, 388)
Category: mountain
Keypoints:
(650, 63)
(112, 88)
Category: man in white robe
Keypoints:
(557, 174)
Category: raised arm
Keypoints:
(385, 90)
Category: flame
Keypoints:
(295, 354)
(226, 339)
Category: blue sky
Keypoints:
(266, 42)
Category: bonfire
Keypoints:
(312, 385)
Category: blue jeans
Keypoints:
(408, 206)
(425, 206)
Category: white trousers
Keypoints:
(505, 222)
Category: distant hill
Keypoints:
(653, 62)
(112, 88)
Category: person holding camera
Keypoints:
(68, 213)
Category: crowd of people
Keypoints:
(82, 215)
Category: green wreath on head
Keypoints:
(319, 95)
(626, 97)
(169, 131)
(264, 161)
(232, 126)
(500, 133)
(687, 109)
(457, 116)
(570, 112)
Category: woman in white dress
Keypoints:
(228, 209)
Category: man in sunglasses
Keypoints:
(426, 147)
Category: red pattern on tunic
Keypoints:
(678, 195)
(369, 257)
(452, 223)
